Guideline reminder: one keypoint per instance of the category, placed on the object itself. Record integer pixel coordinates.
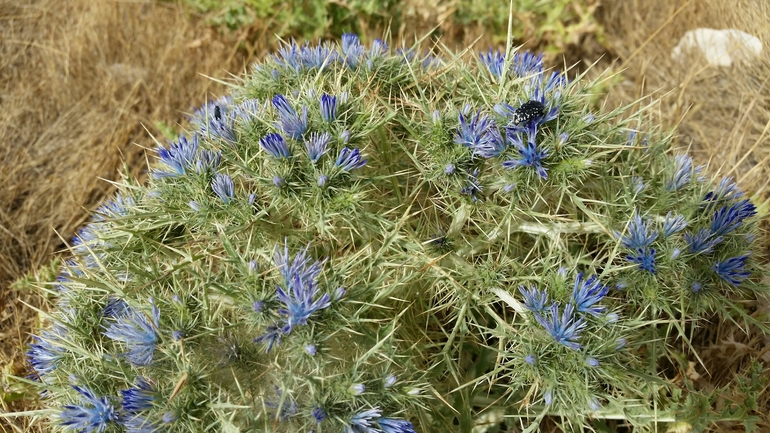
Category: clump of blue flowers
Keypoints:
(368, 240)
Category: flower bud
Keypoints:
(310, 349)
(390, 380)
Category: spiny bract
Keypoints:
(366, 240)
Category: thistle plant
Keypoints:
(367, 240)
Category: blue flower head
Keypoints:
(46, 351)
(320, 55)
(318, 414)
(300, 301)
(620, 343)
(530, 154)
(527, 64)
(378, 50)
(548, 397)
(645, 258)
(349, 160)
(301, 264)
(552, 84)
(140, 398)
(534, 299)
(138, 333)
(272, 337)
(406, 54)
(639, 235)
(115, 208)
(249, 110)
(588, 292)
(292, 123)
(726, 190)
(169, 417)
(345, 136)
(300, 296)
(289, 56)
(673, 225)
(390, 425)
(494, 61)
(180, 156)
(258, 306)
(729, 218)
(436, 117)
(317, 145)
(93, 415)
(732, 270)
(208, 160)
(85, 237)
(683, 171)
(564, 328)
(311, 349)
(430, 61)
(362, 422)
(275, 145)
(115, 307)
(472, 131)
(352, 50)
(491, 144)
(702, 242)
(328, 108)
(224, 188)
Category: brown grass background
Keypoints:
(82, 83)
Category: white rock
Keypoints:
(720, 47)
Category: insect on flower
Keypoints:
(528, 111)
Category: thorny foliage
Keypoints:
(363, 239)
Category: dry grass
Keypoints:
(722, 113)
(81, 79)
